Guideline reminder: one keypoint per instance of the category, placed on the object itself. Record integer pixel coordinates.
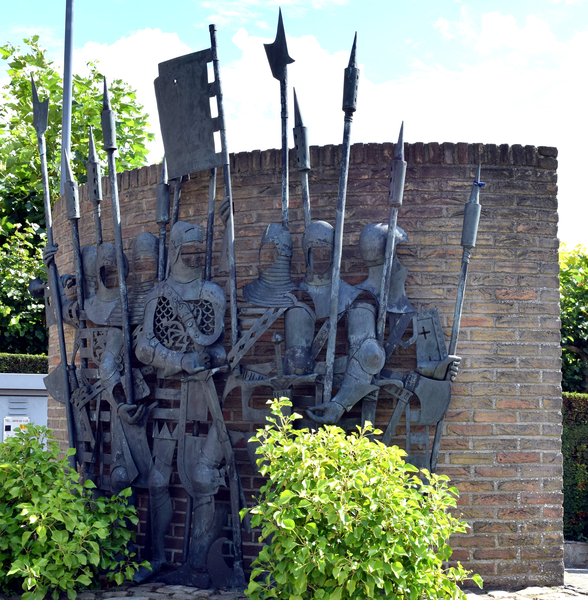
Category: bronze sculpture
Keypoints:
(150, 331)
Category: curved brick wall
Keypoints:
(501, 445)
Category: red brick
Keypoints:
(519, 513)
(518, 457)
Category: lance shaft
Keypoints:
(285, 165)
(228, 188)
(40, 122)
(109, 135)
(349, 106)
(72, 204)
(210, 225)
(396, 193)
(162, 218)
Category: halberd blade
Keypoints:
(277, 52)
(40, 111)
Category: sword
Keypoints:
(395, 195)
(109, 135)
(40, 116)
(279, 59)
(349, 107)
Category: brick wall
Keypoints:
(501, 445)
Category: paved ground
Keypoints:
(576, 586)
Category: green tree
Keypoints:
(573, 285)
(22, 216)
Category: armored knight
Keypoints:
(273, 286)
(299, 323)
(181, 338)
(130, 455)
(365, 372)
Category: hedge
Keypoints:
(23, 363)
(575, 465)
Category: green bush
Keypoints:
(24, 363)
(54, 537)
(346, 518)
(575, 465)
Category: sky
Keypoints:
(489, 71)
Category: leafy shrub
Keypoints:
(573, 286)
(346, 518)
(575, 466)
(53, 536)
(23, 363)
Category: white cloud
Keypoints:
(252, 95)
(134, 59)
(243, 12)
(504, 92)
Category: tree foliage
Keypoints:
(22, 327)
(574, 442)
(22, 216)
(573, 282)
(347, 518)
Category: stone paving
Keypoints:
(575, 586)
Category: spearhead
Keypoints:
(471, 216)
(300, 139)
(398, 172)
(94, 171)
(277, 52)
(108, 121)
(351, 81)
(40, 111)
(72, 200)
(163, 197)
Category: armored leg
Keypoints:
(159, 497)
(367, 356)
(299, 331)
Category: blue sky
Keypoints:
(454, 70)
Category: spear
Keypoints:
(469, 232)
(230, 226)
(40, 115)
(395, 194)
(279, 59)
(350, 83)
(94, 171)
(67, 88)
(109, 136)
(72, 207)
(162, 217)
(302, 158)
